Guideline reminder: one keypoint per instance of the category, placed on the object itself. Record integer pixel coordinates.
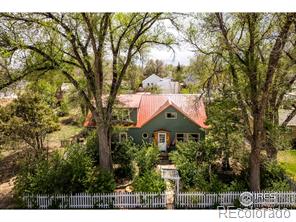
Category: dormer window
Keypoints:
(171, 115)
(121, 114)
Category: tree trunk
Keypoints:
(255, 169)
(256, 146)
(104, 148)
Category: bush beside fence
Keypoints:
(108, 200)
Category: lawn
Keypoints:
(65, 132)
(287, 159)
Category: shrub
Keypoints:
(73, 172)
(147, 158)
(99, 181)
(79, 164)
(92, 148)
(279, 186)
(126, 172)
(63, 109)
(196, 163)
(123, 153)
(149, 181)
(193, 164)
(236, 185)
(273, 177)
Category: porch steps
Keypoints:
(164, 158)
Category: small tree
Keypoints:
(28, 119)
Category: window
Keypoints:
(171, 115)
(145, 135)
(180, 137)
(193, 136)
(121, 115)
(183, 137)
(125, 114)
(122, 137)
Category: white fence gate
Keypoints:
(108, 200)
(213, 200)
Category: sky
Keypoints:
(182, 55)
(182, 52)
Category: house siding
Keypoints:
(133, 115)
(180, 125)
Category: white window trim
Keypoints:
(171, 112)
(145, 137)
(120, 135)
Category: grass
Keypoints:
(287, 159)
(66, 132)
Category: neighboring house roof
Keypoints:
(151, 105)
(129, 100)
(152, 78)
(283, 114)
(166, 85)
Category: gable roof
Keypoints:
(151, 105)
(153, 77)
(188, 104)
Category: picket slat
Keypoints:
(209, 200)
(82, 200)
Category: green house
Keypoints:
(163, 119)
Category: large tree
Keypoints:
(84, 44)
(250, 48)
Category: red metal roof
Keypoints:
(188, 104)
(150, 105)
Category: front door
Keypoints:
(162, 141)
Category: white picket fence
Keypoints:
(210, 200)
(107, 200)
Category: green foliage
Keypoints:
(28, 119)
(147, 158)
(63, 109)
(193, 161)
(197, 165)
(280, 137)
(273, 177)
(99, 181)
(124, 172)
(123, 155)
(279, 186)
(92, 146)
(72, 172)
(226, 129)
(287, 160)
(45, 89)
(236, 185)
(149, 181)
(154, 67)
